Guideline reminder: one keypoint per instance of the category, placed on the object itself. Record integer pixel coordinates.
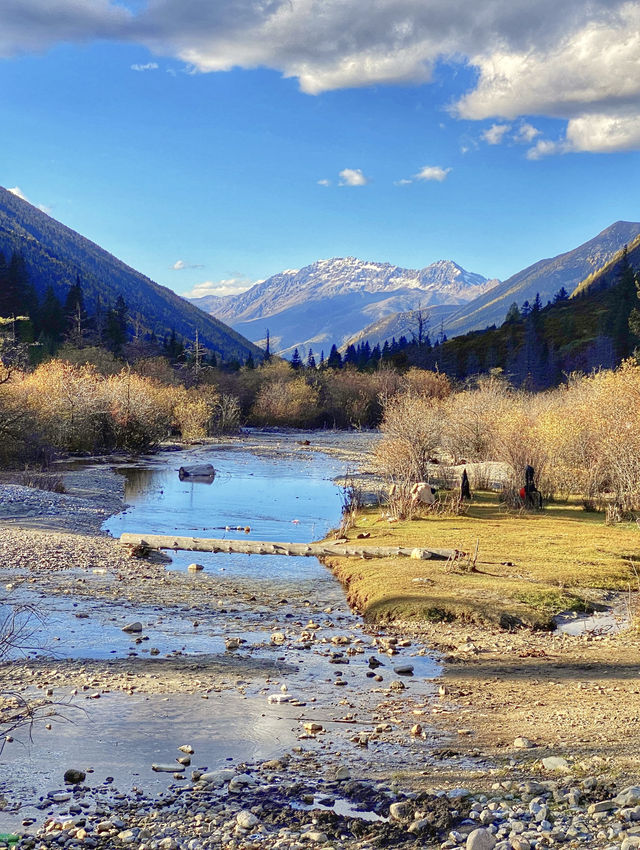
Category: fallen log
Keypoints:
(263, 547)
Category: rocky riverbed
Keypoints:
(526, 740)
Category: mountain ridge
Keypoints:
(55, 254)
(344, 294)
(545, 277)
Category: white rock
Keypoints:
(399, 811)
(277, 698)
(458, 793)
(315, 836)
(629, 796)
(521, 743)
(556, 763)
(195, 568)
(246, 819)
(241, 780)
(217, 778)
(602, 806)
(133, 627)
(480, 839)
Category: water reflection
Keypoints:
(290, 498)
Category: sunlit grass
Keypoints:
(530, 566)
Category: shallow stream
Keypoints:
(281, 489)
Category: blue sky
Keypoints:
(212, 145)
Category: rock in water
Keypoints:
(133, 627)
(73, 777)
(204, 470)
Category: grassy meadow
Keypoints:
(529, 567)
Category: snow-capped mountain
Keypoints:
(332, 300)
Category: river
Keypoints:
(279, 487)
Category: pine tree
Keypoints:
(625, 298)
(296, 360)
(311, 360)
(350, 356)
(116, 326)
(8, 291)
(75, 315)
(52, 319)
(267, 349)
(561, 295)
(335, 360)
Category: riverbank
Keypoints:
(570, 694)
(380, 743)
(513, 568)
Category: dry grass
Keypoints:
(530, 566)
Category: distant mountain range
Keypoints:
(332, 300)
(346, 300)
(545, 277)
(55, 255)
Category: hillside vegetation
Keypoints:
(55, 256)
(545, 277)
(539, 345)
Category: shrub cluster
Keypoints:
(78, 408)
(582, 438)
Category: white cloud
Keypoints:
(403, 182)
(526, 133)
(575, 60)
(353, 177)
(545, 147)
(605, 132)
(17, 191)
(220, 288)
(432, 172)
(28, 26)
(180, 265)
(150, 66)
(495, 134)
(324, 182)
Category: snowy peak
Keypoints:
(331, 300)
(443, 282)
